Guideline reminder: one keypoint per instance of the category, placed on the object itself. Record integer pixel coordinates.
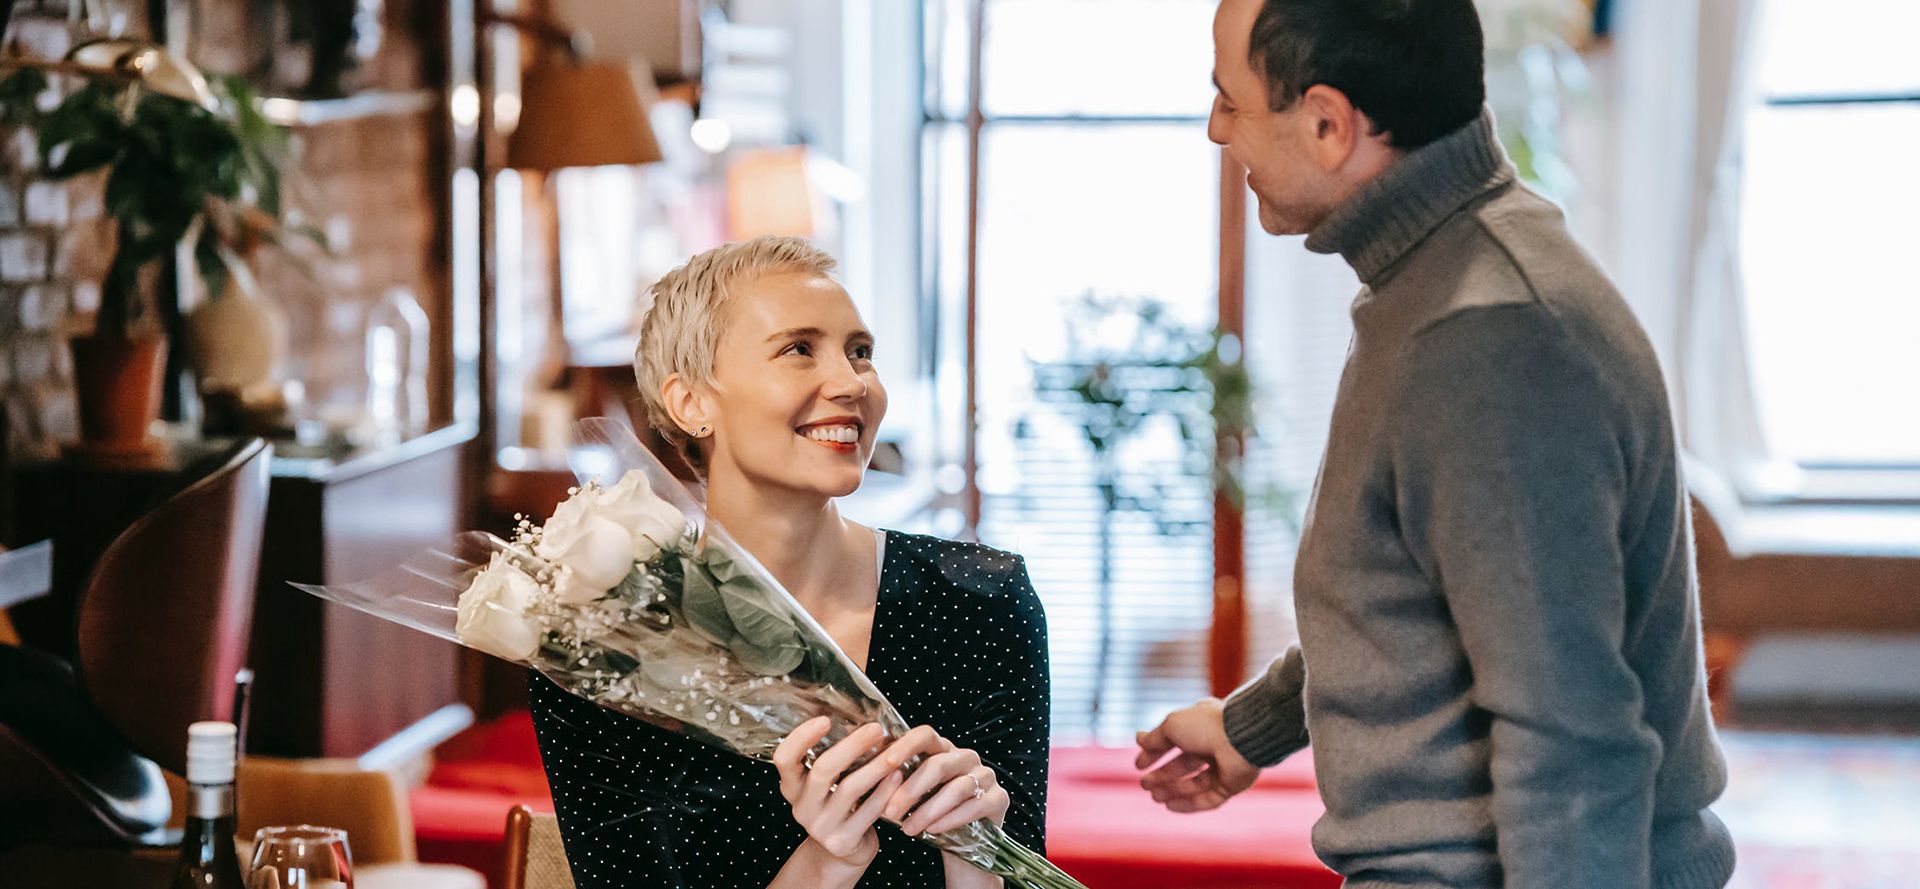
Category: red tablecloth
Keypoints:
(1101, 827)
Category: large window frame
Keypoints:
(941, 116)
(1835, 479)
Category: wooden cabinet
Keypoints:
(328, 681)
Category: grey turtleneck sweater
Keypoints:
(1499, 658)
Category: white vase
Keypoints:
(239, 339)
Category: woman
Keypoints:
(757, 366)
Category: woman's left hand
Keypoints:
(950, 788)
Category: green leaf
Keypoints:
(703, 607)
(82, 156)
(768, 660)
(753, 618)
(721, 564)
(20, 95)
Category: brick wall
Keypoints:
(47, 239)
(367, 184)
(370, 183)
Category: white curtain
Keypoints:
(1681, 81)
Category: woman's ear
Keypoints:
(690, 408)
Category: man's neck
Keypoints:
(1371, 162)
(1386, 214)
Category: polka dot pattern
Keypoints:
(959, 643)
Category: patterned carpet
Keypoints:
(1822, 811)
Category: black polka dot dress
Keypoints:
(959, 643)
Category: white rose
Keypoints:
(596, 551)
(653, 522)
(493, 612)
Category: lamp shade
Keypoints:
(580, 114)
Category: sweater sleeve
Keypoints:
(1266, 718)
(1511, 464)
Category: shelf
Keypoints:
(320, 112)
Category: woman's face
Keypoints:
(798, 401)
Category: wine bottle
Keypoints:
(207, 857)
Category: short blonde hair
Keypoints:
(682, 327)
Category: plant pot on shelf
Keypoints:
(117, 381)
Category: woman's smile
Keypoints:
(838, 434)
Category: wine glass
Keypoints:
(300, 857)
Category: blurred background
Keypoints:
(431, 252)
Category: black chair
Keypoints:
(163, 626)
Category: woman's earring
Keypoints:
(702, 433)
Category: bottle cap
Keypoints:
(210, 752)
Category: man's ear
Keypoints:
(1336, 127)
(690, 408)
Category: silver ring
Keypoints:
(979, 790)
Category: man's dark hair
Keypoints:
(1416, 68)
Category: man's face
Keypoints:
(1276, 147)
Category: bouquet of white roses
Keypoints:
(627, 596)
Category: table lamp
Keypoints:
(115, 58)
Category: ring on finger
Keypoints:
(979, 790)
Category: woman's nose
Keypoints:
(843, 382)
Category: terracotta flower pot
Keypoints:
(118, 381)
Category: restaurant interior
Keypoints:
(292, 293)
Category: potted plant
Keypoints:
(177, 174)
(1131, 363)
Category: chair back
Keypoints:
(166, 614)
(369, 804)
(535, 856)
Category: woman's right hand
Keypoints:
(838, 807)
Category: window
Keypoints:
(1832, 179)
(1095, 175)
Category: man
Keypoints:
(1499, 660)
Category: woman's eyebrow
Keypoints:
(816, 333)
(796, 333)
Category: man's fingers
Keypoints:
(1175, 769)
(1153, 745)
(1198, 803)
(1190, 786)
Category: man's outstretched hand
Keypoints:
(1205, 769)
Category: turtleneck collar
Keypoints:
(1386, 217)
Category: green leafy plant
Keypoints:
(1130, 362)
(174, 172)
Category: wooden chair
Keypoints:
(163, 621)
(535, 857)
(369, 804)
